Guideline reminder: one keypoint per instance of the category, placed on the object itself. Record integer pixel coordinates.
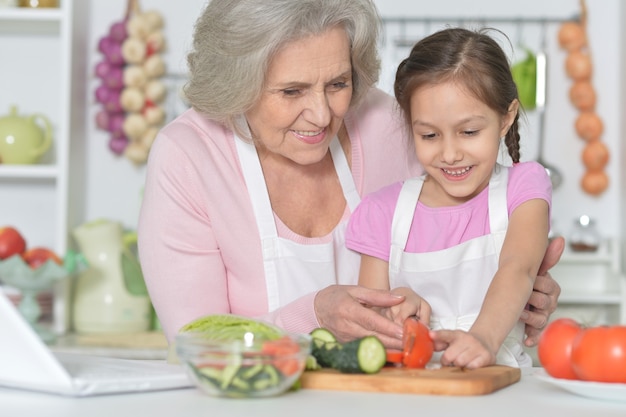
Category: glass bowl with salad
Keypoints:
(233, 356)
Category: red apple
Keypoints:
(11, 242)
(35, 257)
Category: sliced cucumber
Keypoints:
(324, 335)
(239, 380)
(364, 355)
(323, 344)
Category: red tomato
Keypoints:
(11, 242)
(35, 257)
(418, 346)
(555, 347)
(394, 356)
(284, 351)
(599, 354)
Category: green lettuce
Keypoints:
(232, 327)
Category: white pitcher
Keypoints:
(102, 301)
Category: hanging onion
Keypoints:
(594, 182)
(595, 155)
(578, 65)
(572, 36)
(589, 126)
(582, 95)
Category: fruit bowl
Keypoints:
(18, 274)
(250, 366)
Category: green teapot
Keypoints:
(24, 140)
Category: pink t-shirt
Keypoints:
(369, 229)
(199, 245)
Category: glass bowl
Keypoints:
(250, 366)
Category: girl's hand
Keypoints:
(462, 349)
(413, 305)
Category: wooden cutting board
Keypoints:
(443, 381)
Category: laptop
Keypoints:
(27, 363)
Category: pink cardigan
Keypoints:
(198, 240)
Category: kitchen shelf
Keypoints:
(29, 171)
(593, 281)
(38, 79)
(586, 298)
(606, 253)
(23, 14)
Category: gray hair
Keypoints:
(235, 40)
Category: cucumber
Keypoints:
(323, 341)
(363, 355)
(324, 335)
(239, 381)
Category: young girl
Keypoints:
(469, 235)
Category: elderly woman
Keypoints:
(248, 193)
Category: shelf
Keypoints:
(41, 45)
(29, 171)
(590, 298)
(602, 255)
(593, 283)
(25, 14)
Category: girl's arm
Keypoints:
(523, 250)
(374, 273)
(522, 253)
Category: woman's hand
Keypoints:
(544, 299)
(346, 310)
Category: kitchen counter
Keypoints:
(139, 345)
(531, 397)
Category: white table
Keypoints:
(530, 397)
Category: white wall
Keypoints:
(113, 184)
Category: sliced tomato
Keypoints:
(284, 351)
(394, 356)
(418, 346)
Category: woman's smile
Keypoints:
(309, 137)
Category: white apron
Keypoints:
(293, 270)
(454, 281)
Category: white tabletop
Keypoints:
(531, 397)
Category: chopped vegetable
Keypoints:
(394, 356)
(232, 327)
(284, 352)
(235, 356)
(363, 355)
(418, 346)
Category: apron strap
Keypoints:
(255, 181)
(498, 205)
(403, 218)
(345, 175)
(262, 207)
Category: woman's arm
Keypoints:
(544, 299)
(180, 259)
